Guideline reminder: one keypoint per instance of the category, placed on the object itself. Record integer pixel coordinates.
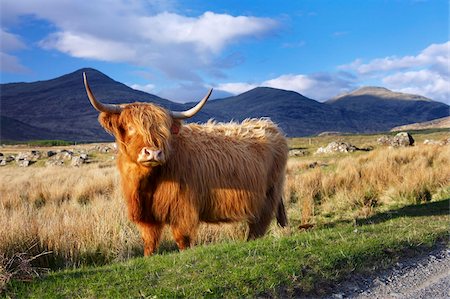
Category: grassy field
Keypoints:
(302, 264)
(363, 210)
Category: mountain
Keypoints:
(379, 109)
(59, 108)
(440, 123)
(296, 114)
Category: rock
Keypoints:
(64, 155)
(7, 159)
(298, 152)
(36, 154)
(435, 142)
(104, 149)
(22, 156)
(25, 159)
(402, 139)
(384, 140)
(24, 163)
(50, 154)
(59, 158)
(77, 161)
(31, 156)
(340, 147)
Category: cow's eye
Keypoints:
(131, 130)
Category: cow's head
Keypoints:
(142, 130)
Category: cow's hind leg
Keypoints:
(151, 234)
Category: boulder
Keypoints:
(384, 140)
(25, 159)
(77, 161)
(337, 147)
(436, 142)
(402, 139)
(59, 158)
(298, 152)
(50, 154)
(24, 163)
(6, 159)
(64, 155)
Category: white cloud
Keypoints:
(10, 43)
(236, 88)
(11, 64)
(88, 47)
(320, 86)
(433, 55)
(147, 88)
(137, 32)
(423, 82)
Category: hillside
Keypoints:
(439, 123)
(375, 109)
(59, 109)
(296, 114)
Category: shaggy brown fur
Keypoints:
(216, 172)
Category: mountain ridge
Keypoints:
(59, 108)
(381, 92)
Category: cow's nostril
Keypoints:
(158, 155)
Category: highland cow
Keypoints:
(183, 174)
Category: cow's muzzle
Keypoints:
(150, 157)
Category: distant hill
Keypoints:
(375, 109)
(439, 123)
(59, 109)
(296, 114)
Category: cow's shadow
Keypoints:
(167, 246)
(436, 208)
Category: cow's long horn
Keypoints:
(191, 112)
(109, 108)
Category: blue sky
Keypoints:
(178, 49)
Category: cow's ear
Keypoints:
(176, 126)
(110, 122)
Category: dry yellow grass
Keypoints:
(79, 214)
(354, 185)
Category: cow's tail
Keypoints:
(281, 214)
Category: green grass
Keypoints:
(303, 263)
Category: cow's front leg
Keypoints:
(151, 234)
(183, 237)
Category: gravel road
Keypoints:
(422, 277)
